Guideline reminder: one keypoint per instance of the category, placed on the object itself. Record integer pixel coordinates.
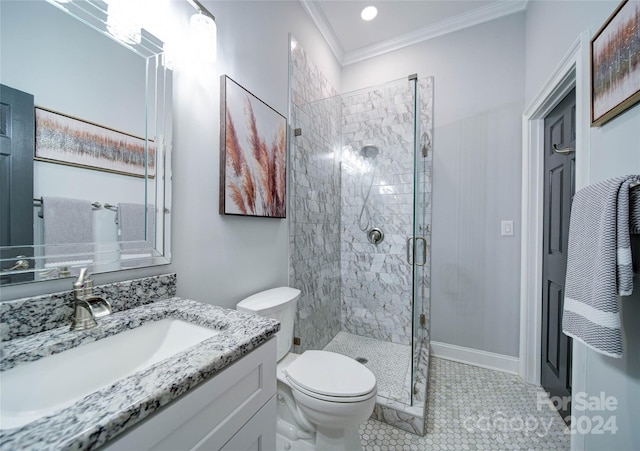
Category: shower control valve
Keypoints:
(375, 236)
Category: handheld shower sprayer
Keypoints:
(369, 153)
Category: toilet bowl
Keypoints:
(335, 393)
(323, 397)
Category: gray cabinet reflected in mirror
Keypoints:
(85, 143)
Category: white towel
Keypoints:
(68, 231)
(134, 246)
(131, 222)
(599, 265)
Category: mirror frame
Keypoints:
(94, 13)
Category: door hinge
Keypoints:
(423, 319)
(296, 341)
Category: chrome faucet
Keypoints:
(87, 306)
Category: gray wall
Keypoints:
(220, 259)
(615, 150)
(479, 86)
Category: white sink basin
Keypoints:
(39, 388)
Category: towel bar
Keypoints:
(95, 205)
(115, 207)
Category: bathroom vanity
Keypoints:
(216, 394)
(234, 410)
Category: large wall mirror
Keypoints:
(85, 118)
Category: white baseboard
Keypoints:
(475, 357)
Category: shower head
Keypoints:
(369, 152)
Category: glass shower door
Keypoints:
(423, 160)
(377, 216)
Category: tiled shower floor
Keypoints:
(389, 362)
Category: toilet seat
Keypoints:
(334, 399)
(331, 377)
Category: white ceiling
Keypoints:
(399, 22)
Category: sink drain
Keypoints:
(361, 360)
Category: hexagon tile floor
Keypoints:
(473, 408)
(390, 362)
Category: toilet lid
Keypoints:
(331, 374)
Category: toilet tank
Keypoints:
(278, 303)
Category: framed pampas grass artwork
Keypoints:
(64, 139)
(253, 154)
(615, 64)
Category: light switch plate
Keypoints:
(507, 228)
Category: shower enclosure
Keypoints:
(360, 203)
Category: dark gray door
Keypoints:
(17, 126)
(559, 187)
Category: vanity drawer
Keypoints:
(212, 413)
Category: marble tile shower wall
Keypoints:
(346, 282)
(314, 203)
(377, 279)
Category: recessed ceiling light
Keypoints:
(369, 13)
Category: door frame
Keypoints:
(572, 71)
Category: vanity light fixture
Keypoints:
(122, 22)
(204, 32)
(369, 13)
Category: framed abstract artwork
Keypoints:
(64, 139)
(253, 154)
(615, 64)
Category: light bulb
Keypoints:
(369, 13)
(204, 36)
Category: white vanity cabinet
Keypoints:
(234, 410)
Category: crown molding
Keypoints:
(477, 16)
(317, 16)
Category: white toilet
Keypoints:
(323, 397)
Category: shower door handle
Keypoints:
(409, 245)
(424, 250)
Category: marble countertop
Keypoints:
(100, 416)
